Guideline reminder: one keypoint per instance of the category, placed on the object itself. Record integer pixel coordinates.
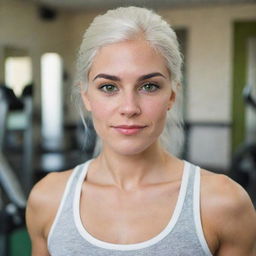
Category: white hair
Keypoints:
(128, 23)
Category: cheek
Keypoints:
(156, 109)
(101, 114)
(99, 110)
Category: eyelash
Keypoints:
(156, 86)
(104, 86)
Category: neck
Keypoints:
(129, 172)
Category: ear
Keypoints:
(86, 100)
(171, 99)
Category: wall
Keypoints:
(21, 27)
(210, 57)
(209, 76)
(209, 62)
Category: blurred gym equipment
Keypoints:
(13, 196)
(243, 166)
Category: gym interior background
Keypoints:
(40, 130)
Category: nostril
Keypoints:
(130, 110)
(130, 104)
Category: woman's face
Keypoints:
(129, 94)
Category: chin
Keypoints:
(131, 148)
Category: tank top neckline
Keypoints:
(126, 247)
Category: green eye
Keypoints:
(108, 88)
(149, 87)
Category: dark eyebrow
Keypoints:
(144, 77)
(106, 76)
(116, 78)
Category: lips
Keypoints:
(129, 129)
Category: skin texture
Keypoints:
(133, 168)
(129, 99)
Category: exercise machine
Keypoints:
(243, 165)
(13, 190)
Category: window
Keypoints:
(18, 73)
(52, 101)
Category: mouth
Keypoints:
(129, 129)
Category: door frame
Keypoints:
(242, 32)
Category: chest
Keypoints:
(131, 217)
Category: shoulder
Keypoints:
(51, 182)
(49, 188)
(228, 211)
(223, 192)
(44, 199)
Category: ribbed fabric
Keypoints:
(183, 235)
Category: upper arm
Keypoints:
(239, 233)
(235, 219)
(41, 209)
(39, 242)
(36, 221)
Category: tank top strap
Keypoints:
(68, 195)
(191, 212)
(192, 169)
(197, 210)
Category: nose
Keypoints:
(129, 105)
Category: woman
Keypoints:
(135, 198)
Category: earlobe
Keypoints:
(86, 101)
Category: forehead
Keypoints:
(128, 57)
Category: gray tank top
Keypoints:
(183, 235)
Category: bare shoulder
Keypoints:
(226, 193)
(229, 213)
(44, 199)
(49, 187)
